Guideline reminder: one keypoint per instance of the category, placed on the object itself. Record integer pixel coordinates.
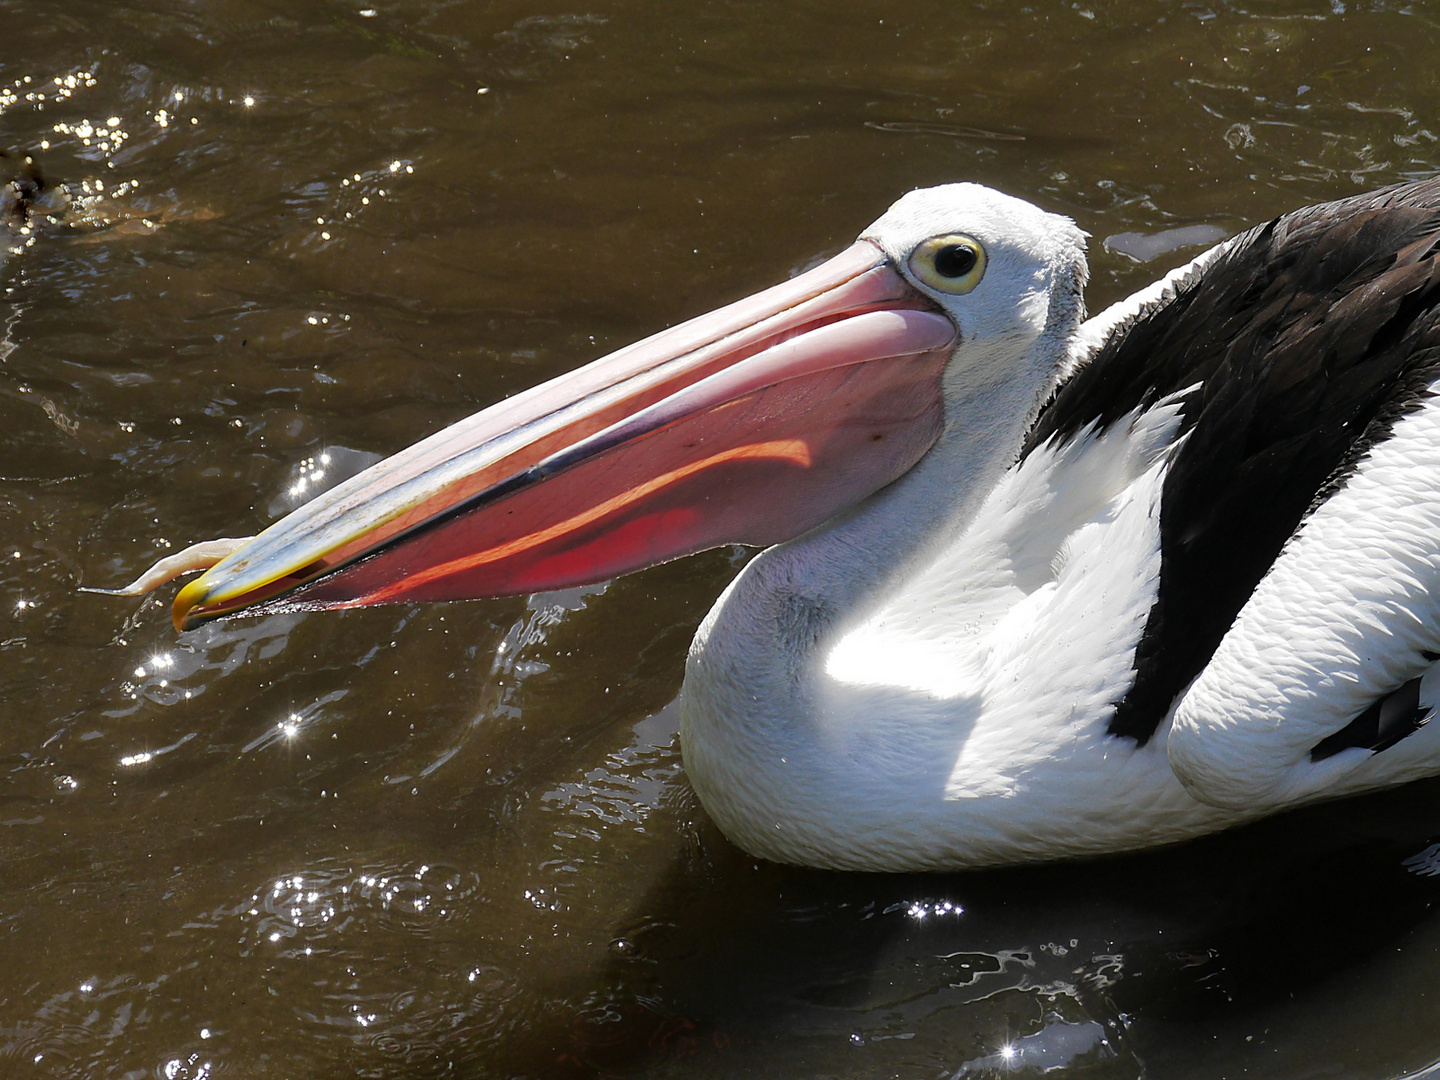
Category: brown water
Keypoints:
(457, 840)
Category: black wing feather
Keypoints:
(1304, 343)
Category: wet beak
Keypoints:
(751, 424)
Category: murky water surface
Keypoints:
(457, 840)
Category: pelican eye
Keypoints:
(951, 264)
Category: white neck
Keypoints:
(749, 704)
(837, 568)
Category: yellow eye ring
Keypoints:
(950, 264)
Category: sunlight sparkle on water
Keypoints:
(922, 909)
(175, 1067)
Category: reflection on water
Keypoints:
(275, 242)
(1059, 1044)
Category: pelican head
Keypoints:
(751, 424)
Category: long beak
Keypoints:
(748, 425)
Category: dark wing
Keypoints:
(1304, 342)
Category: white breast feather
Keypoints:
(961, 720)
(999, 664)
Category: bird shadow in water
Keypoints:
(1112, 967)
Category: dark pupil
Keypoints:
(955, 260)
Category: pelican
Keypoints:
(1034, 586)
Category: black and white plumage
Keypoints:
(1295, 348)
(1118, 582)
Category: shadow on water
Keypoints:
(1144, 965)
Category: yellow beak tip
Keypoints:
(186, 601)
